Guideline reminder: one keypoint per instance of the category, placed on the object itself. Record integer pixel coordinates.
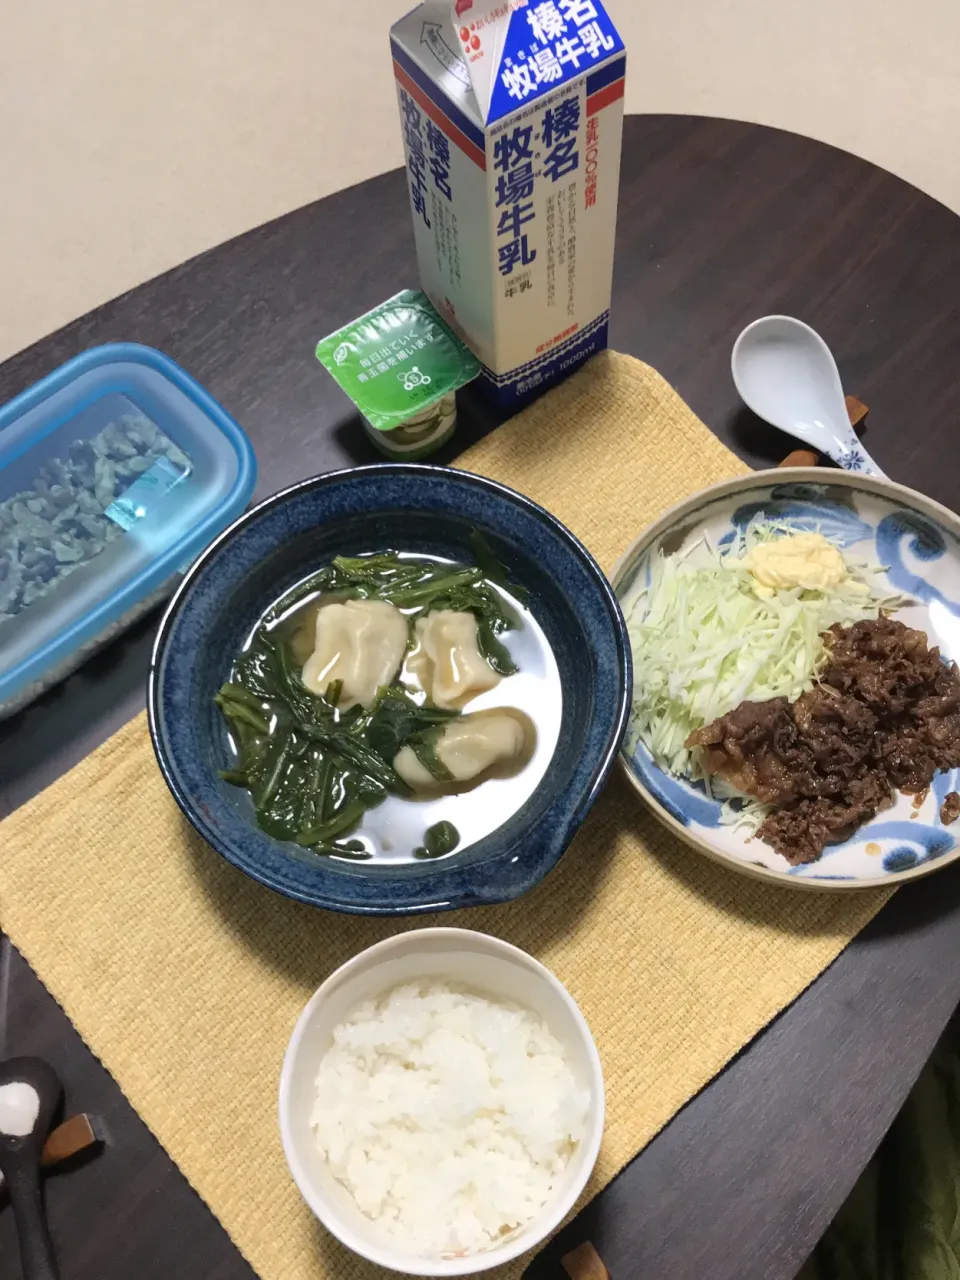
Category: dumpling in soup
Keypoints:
(362, 643)
(468, 747)
(447, 661)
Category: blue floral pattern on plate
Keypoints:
(917, 544)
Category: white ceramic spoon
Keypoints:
(787, 375)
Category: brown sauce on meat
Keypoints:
(884, 717)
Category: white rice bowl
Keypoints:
(441, 1103)
(447, 1115)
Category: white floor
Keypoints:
(135, 134)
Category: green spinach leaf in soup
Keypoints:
(312, 769)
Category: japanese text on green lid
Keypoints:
(398, 361)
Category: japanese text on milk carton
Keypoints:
(512, 117)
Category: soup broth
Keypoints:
(392, 829)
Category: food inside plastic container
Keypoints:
(115, 471)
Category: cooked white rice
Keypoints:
(447, 1115)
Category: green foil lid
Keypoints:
(398, 362)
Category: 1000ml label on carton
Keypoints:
(512, 119)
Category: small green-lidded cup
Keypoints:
(401, 365)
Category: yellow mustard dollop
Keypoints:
(804, 560)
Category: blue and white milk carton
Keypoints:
(512, 118)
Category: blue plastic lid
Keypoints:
(116, 471)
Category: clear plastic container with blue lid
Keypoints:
(116, 471)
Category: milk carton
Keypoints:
(512, 116)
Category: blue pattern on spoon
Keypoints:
(787, 375)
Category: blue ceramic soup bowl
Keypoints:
(424, 510)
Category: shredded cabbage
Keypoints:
(703, 640)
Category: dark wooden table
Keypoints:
(719, 223)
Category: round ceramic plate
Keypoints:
(917, 542)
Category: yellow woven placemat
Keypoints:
(186, 978)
